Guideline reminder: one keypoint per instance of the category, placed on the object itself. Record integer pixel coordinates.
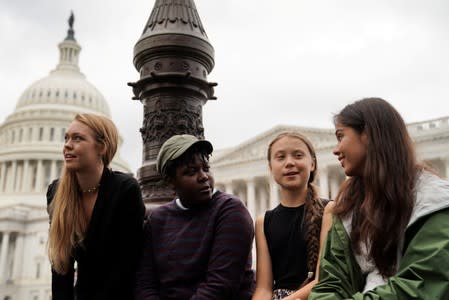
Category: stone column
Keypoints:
(39, 176)
(274, 193)
(3, 177)
(11, 177)
(251, 197)
(262, 201)
(334, 185)
(19, 177)
(229, 187)
(447, 167)
(18, 256)
(53, 171)
(324, 183)
(3, 255)
(26, 176)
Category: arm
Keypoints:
(423, 271)
(147, 287)
(339, 274)
(62, 285)
(326, 224)
(127, 242)
(230, 252)
(264, 274)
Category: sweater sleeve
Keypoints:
(231, 249)
(147, 287)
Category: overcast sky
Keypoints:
(290, 62)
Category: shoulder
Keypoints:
(51, 190)
(162, 210)
(119, 183)
(222, 200)
(329, 206)
(229, 206)
(260, 220)
(121, 177)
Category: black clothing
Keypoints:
(287, 247)
(107, 261)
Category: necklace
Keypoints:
(91, 190)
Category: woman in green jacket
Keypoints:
(390, 232)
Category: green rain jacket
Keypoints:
(423, 271)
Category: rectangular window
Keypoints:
(52, 134)
(41, 133)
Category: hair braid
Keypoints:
(313, 215)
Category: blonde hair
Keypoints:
(68, 221)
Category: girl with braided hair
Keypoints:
(288, 238)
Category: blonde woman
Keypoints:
(96, 217)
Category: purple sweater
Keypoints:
(202, 253)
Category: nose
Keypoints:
(68, 143)
(289, 161)
(336, 150)
(202, 175)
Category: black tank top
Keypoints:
(285, 239)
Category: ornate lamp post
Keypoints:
(173, 57)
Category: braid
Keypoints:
(314, 208)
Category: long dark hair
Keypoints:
(382, 199)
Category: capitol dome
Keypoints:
(64, 87)
(31, 138)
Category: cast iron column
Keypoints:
(173, 57)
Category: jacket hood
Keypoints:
(432, 195)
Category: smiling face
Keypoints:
(291, 163)
(193, 182)
(81, 151)
(351, 149)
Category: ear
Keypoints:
(313, 164)
(101, 149)
(170, 182)
(364, 137)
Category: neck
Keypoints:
(293, 198)
(89, 181)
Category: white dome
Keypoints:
(64, 87)
(32, 137)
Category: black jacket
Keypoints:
(106, 264)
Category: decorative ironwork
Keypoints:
(173, 57)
